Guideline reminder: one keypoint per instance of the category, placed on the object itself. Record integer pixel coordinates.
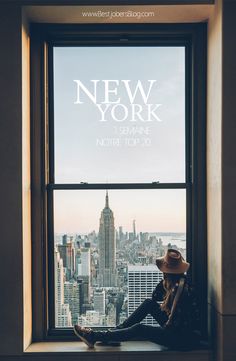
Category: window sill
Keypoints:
(123, 352)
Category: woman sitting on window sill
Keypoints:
(177, 316)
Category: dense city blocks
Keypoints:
(101, 277)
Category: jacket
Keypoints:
(186, 316)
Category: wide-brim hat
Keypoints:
(172, 262)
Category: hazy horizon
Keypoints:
(153, 210)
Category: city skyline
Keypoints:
(81, 297)
(101, 278)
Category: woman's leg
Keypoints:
(175, 339)
(148, 306)
(138, 331)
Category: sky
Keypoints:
(126, 147)
(153, 210)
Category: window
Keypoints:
(121, 170)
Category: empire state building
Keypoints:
(107, 248)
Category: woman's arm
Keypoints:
(159, 292)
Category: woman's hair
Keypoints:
(169, 283)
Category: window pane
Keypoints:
(119, 114)
(105, 250)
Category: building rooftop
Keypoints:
(143, 268)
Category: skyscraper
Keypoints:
(59, 285)
(107, 248)
(141, 282)
(64, 239)
(85, 262)
(83, 274)
(72, 298)
(67, 254)
(99, 301)
(121, 235)
(62, 310)
(134, 229)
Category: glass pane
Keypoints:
(105, 250)
(119, 114)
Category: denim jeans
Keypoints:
(132, 329)
(148, 307)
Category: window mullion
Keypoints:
(74, 186)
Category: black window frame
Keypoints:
(43, 38)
